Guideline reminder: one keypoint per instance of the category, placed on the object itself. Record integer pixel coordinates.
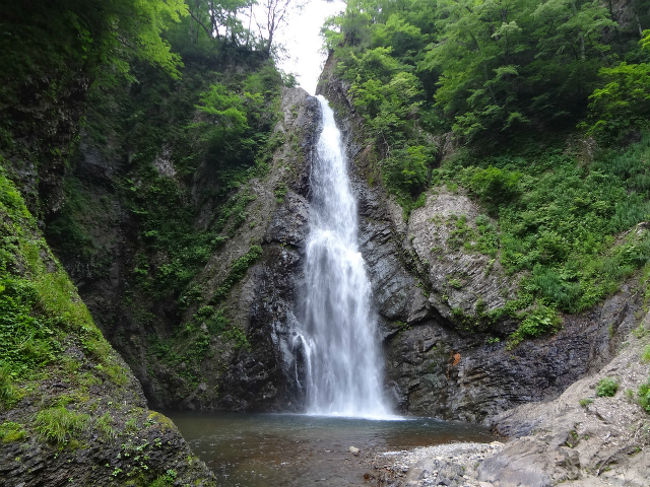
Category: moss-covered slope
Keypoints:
(70, 409)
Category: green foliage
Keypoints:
(226, 112)
(238, 118)
(280, 192)
(51, 53)
(560, 222)
(488, 70)
(538, 321)
(190, 343)
(606, 387)
(484, 67)
(644, 396)
(623, 103)
(59, 425)
(502, 66)
(8, 393)
(190, 148)
(406, 170)
(39, 307)
(26, 342)
(11, 431)
(233, 213)
(165, 480)
(25, 335)
(645, 355)
(460, 233)
(487, 241)
(228, 143)
(492, 185)
(238, 337)
(104, 424)
(237, 272)
(481, 237)
(215, 319)
(150, 44)
(212, 25)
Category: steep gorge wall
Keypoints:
(446, 349)
(71, 410)
(446, 352)
(262, 304)
(215, 343)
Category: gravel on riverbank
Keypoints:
(451, 465)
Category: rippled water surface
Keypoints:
(288, 450)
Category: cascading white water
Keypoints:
(337, 331)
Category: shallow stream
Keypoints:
(290, 450)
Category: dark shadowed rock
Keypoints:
(262, 304)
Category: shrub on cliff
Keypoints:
(606, 387)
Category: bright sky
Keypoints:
(302, 41)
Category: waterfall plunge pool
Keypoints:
(293, 450)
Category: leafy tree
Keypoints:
(623, 103)
(99, 39)
(53, 53)
(218, 20)
(225, 109)
(274, 16)
(407, 170)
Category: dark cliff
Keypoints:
(440, 304)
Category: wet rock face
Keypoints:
(443, 373)
(394, 288)
(242, 371)
(254, 376)
(157, 445)
(445, 370)
(579, 437)
(45, 128)
(259, 378)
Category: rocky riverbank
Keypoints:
(452, 465)
(583, 438)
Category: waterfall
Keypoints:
(336, 334)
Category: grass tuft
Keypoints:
(59, 425)
(606, 387)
